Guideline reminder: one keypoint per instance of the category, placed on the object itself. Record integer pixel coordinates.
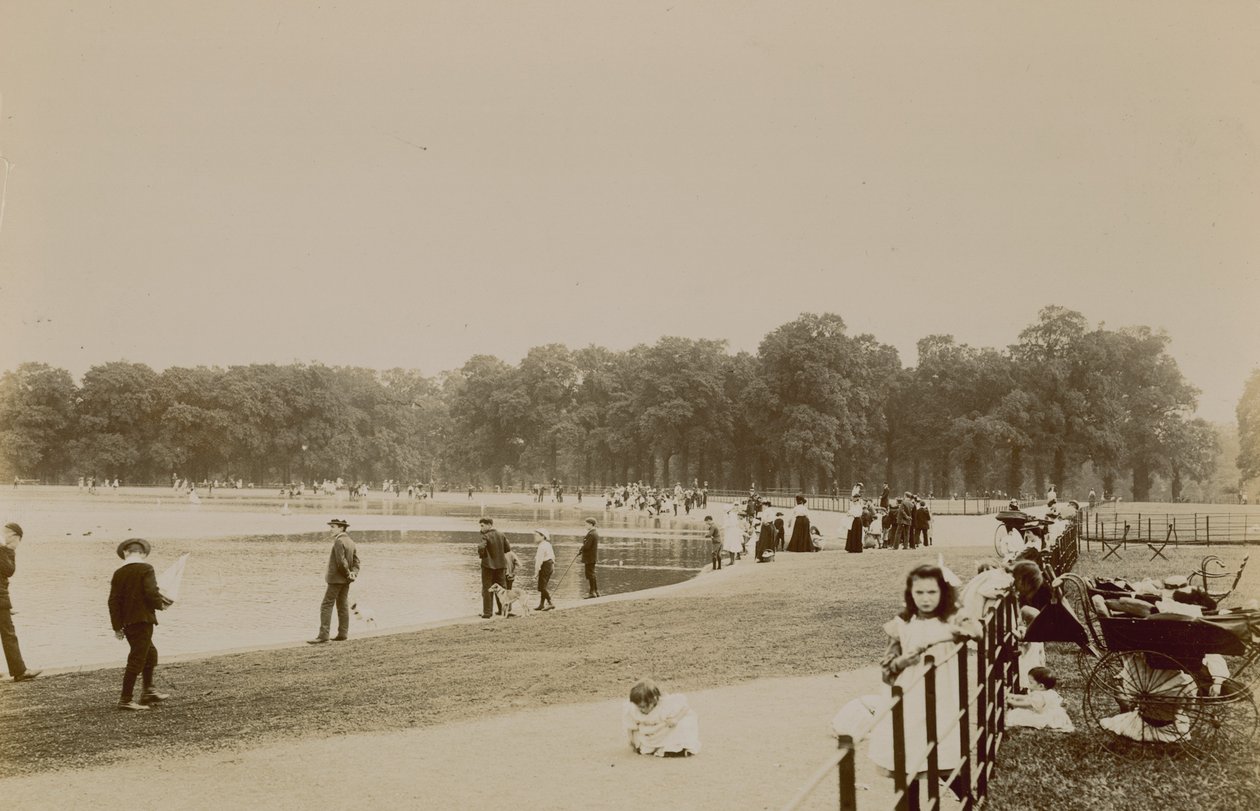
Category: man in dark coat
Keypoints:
(8, 634)
(590, 552)
(133, 599)
(343, 569)
(905, 518)
(921, 522)
(492, 549)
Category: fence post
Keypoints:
(932, 733)
(982, 703)
(1207, 527)
(847, 776)
(964, 723)
(899, 749)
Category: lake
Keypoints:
(248, 590)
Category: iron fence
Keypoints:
(980, 724)
(1171, 528)
(966, 505)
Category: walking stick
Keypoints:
(567, 568)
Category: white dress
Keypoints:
(1051, 715)
(732, 534)
(913, 635)
(652, 734)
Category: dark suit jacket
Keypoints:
(343, 560)
(590, 546)
(493, 549)
(133, 595)
(922, 518)
(8, 565)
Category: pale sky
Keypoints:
(409, 183)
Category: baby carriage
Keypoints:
(1167, 682)
(1017, 528)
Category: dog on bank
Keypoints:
(362, 613)
(508, 598)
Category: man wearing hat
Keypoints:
(590, 553)
(492, 549)
(343, 568)
(8, 634)
(133, 599)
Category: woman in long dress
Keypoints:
(800, 540)
(853, 542)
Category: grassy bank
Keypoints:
(1040, 770)
(804, 614)
(812, 614)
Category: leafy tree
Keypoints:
(1191, 448)
(120, 408)
(36, 420)
(1248, 413)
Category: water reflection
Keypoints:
(266, 589)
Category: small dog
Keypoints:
(363, 613)
(509, 598)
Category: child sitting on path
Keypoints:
(658, 725)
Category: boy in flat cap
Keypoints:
(343, 568)
(133, 599)
(8, 634)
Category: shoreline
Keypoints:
(474, 619)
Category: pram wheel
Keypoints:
(1228, 723)
(1145, 704)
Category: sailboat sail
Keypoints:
(170, 581)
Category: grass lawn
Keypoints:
(806, 614)
(1039, 770)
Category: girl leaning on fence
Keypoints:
(925, 627)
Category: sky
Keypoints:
(410, 183)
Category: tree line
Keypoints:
(815, 408)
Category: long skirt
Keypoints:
(800, 540)
(853, 542)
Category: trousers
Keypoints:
(9, 640)
(544, 577)
(337, 594)
(488, 578)
(141, 661)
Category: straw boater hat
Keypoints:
(140, 542)
(337, 522)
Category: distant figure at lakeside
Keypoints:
(343, 569)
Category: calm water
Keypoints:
(266, 589)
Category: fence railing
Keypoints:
(979, 723)
(1172, 528)
(1062, 556)
(832, 503)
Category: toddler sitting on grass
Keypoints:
(658, 725)
(1041, 707)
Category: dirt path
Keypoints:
(761, 740)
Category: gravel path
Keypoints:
(761, 742)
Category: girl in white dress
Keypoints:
(1041, 707)
(733, 535)
(923, 628)
(658, 725)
